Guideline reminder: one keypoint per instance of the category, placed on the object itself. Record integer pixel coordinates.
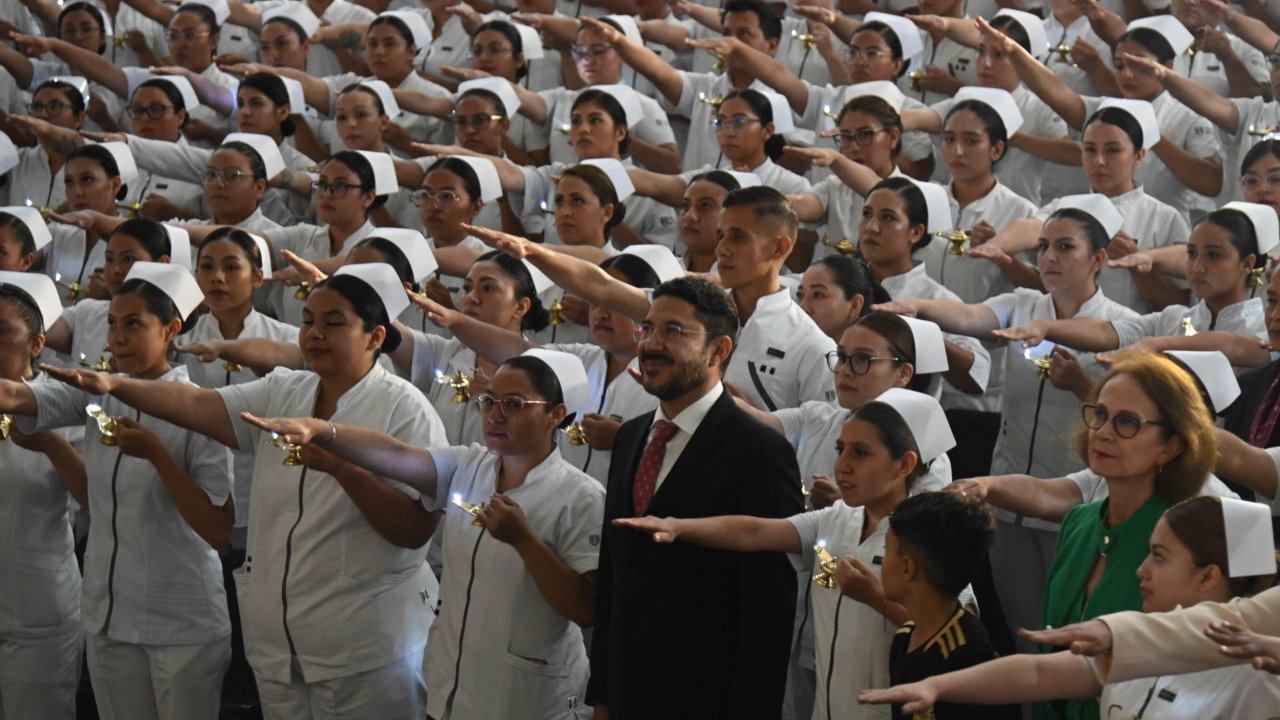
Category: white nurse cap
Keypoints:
(530, 42)
(266, 148)
(383, 91)
(931, 352)
(1266, 226)
(8, 154)
(541, 283)
(906, 31)
(179, 246)
(39, 288)
(34, 221)
(1177, 35)
(498, 86)
(487, 174)
(782, 120)
(1215, 374)
(570, 374)
(882, 89)
(74, 81)
(264, 252)
(618, 176)
(1141, 111)
(297, 99)
(173, 280)
(1037, 39)
(414, 246)
(925, 418)
(221, 11)
(660, 259)
(384, 281)
(1250, 538)
(628, 25)
(1000, 101)
(125, 163)
(1097, 206)
(384, 172)
(298, 12)
(628, 98)
(935, 199)
(181, 84)
(745, 179)
(417, 25)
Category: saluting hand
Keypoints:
(1090, 638)
(914, 697)
(663, 530)
(438, 314)
(505, 520)
(94, 383)
(297, 431)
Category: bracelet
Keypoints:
(333, 431)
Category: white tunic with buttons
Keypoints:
(498, 648)
(41, 593)
(319, 586)
(31, 183)
(149, 578)
(1221, 694)
(66, 262)
(1206, 69)
(697, 92)
(1242, 318)
(435, 360)
(1151, 224)
(780, 358)
(959, 61)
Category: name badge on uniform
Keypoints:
(162, 186)
(775, 352)
(877, 560)
(616, 418)
(1167, 695)
(446, 48)
(236, 38)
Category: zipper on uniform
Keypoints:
(288, 559)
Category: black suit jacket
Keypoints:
(1238, 418)
(684, 631)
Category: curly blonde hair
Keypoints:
(1184, 413)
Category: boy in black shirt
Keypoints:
(934, 547)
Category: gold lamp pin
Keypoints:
(557, 312)
(1259, 131)
(805, 39)
(106, 424)
(232, 367)
(1256, 277)
(916, 76)
(44, 210)
(6, 422)
(118, 41)
(1042, 363)
(102, 365)
(460, 383)
(1064, 53)
(73, 289)
(472, 509)
(1191, 51)
(1188, 330)
(563, 128)
(826, 110)
(844, 246)
(303, 292)
(134, 208)
(826, 576)
(294, 458)
(714, 102)
(577, 435)
(957, 238)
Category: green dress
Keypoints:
(1083, 539)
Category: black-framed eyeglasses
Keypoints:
(737, 123)
(51, 108)
(494, 50)
(581, 51)
(444, 197)
(1125, 424)
(478, 122)
(669, 334)
(870, 55)
(859, 362)
(155, 112)
(508, 405)
(336, 190)
(229, 176)
(861, 138)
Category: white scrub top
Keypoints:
(1190, 131)
(823, 99)
(423, 128)
(1067, 71)
(1151, 224)
(959, 61)
(621, 400)
(149, 578)
(319, 587)
(215, 375)
(41, 593)
(1221, 694)
(436, 359)
(498, 649)
(1019, 170)
(655, 129)
(31, 183)
(780, 358)
(702, 150)
(451, 48)
(1242, 318)
(127, 18)
(650, 219)
(813, 429)
(66, 262)
(1206, 69)
(1033, 410)
(309, 242)
(915, 283)
(88, 322)
(808, 65)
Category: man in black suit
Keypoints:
(684, 631)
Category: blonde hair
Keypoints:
(1184, 414)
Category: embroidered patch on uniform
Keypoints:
(616, 418)
(573, 702)
(667, 221)
(594, 540)
(877, 560)
(446, 48)
(162, 186)
(775, 352)
(1167, 695)
(831, 395)
(237, 38)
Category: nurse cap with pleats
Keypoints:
(414, 246)
(34, 222)
(1097, 206)
(907, 32)
(1266, 225)
(1250, 538)
(996, 99)
(925, 418)
(660, 259)
(617, 174)
(1143, 113)
(570, 374)
(383, 280)
(931, 352)
(173, 280)
(1213, 371)
(37, 288)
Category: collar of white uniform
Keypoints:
(980, 205)
(773, 301)
(1128, 198)
(1087, 309)
(537, 472)
(375, 374)
(1230, 312)
(691, 417)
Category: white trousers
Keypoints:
(39, 676)
(157, 682)
(1020, 562)
(394, 692)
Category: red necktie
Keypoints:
(650, 464)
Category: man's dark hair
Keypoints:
(770, 23)
(769, 205)
(948, 535)
(713, 306)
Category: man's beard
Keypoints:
(688, 376)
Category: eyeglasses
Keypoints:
(862, 138)
(1248, 182)
(479, 51)
(229, 176)
(581, 51)
(670, 334)
(477, 122)
(336, 190)
(50, 108)
(508, 405)
(189, 36)
(444, 197)
(155, 112)
(859, 362)
(85, 30)
(870, 55)
(737, 123)
(1125, 425)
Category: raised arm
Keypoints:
(260, 355)
(1202, 174)
(1250, 466)
(741, 533)
(953, 316)
(666, 189)
(1049, 500)
(577, 276)
(314, 90)
(16, 398)
(490, 342)
(762, 66)
(1008, 680)
(17, 65)
(962, 30)
(245, 15)
(1219, 110)
(91, 65)
(643, 60)
(219, 97)
(1088, 334)
(1038, 77)
(193, 408)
